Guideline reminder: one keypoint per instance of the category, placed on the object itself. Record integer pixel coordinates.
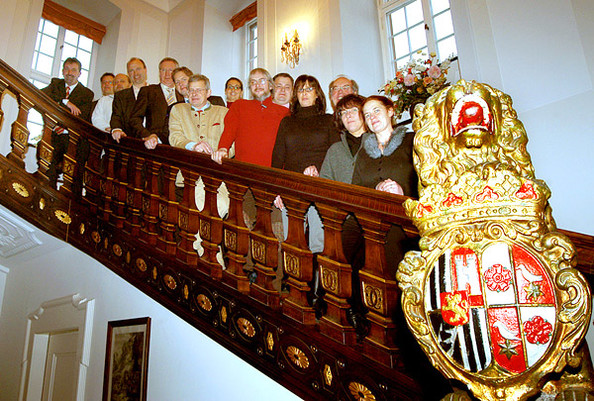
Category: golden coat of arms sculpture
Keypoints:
(492, 297)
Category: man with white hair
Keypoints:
(340, 87)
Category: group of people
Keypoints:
(284, 125)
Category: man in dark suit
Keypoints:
(73, 95)
(152, 104)
(124, 100)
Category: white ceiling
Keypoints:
(103, 11)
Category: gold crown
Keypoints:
(490, 194)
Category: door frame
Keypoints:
(72, 312)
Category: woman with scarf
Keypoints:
(385, 163)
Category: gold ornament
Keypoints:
(492, 297)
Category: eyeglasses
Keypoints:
(344, 113)
(306, 89)
(236, 87)
(261, 81)
(376, 111)
(197, 90)
(343, 88)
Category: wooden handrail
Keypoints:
(118, 204)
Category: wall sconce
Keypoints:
(290, 50)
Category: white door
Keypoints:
(61, 367)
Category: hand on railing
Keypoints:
(390, 186)
(203, 147)
(278, 202)
(117, 134)
(151, 141)
(312, 171)
(219, 154)
(73, 109)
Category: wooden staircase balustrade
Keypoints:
(118, 203)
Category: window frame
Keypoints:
(386, 7)
(251, 62)
(41, 80)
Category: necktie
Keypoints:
(170, 96)
(58, 129)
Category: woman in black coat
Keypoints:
(385, 164)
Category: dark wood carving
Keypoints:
(118, 203)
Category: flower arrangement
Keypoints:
(414, 83)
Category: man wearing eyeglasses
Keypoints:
(197, 126)
(283, 89)
(340, 87)
(252, 124)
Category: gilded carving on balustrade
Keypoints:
(373, 297)
(204, 229)
(329, 279)
(63, 216)
(492, 297)
(230, 240)
(20, 189)
(259, 251)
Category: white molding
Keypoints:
(16, 235)
(74, 311)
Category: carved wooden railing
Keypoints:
(117, 203)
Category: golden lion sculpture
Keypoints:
(492, 297)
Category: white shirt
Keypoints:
(102, 113)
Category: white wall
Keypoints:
(106, 55)
(186, 31)
(144, 33)
(540, 53)
(183, 363)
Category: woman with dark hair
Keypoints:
(233, 90)
(340, 160)
(302, 141)
(304, 137)
(385, 163)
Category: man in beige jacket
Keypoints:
(197, 126)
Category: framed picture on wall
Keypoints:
(126, 359)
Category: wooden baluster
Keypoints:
(92, 177)
(150, 203)
(298, 262)
(3, 86)
(188, 220)
(19, 135)
(45, 149)
(73, 165)
(120, 185)
(136, 181)
(106, 184)
(211, 227)
(379, 290)
(236, 239)
(168, 211)
(335, 278)
(264, 249)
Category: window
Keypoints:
(54, 45)
(251, 45)
(417, 25)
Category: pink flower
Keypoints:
(434, 72)
(409, 80)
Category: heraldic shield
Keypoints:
(492, 297)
